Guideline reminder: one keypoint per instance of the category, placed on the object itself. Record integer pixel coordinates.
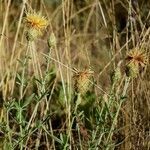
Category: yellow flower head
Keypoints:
(36, 21)
(137, 57)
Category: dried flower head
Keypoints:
(136, 59)
(137, 56)
(82, 81)
(35, 22)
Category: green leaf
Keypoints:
(28, 100)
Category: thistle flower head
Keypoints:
(136, 59)
(36, 23)
(82, 81)
(137, 56)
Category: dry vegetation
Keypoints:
(74, 74)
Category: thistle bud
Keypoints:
(82, 81)
(51, 41)
(116, 75)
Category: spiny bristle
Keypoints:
(135, 59)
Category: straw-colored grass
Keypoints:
(74, 75)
